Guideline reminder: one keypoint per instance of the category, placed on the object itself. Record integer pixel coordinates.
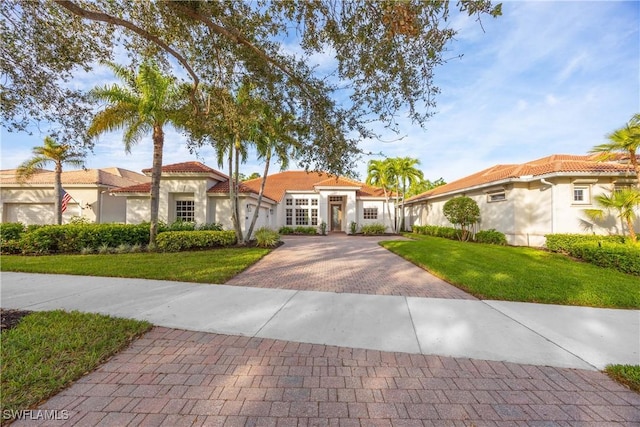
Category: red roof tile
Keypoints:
(186, 167)
(557, 163)
(112, 177)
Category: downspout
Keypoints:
(553, 214)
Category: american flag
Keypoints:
(66, 197)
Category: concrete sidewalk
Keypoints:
(559, 336)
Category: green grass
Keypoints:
(47, 351)
(212, 266)
(628, 375)
(519, 273)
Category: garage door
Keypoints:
(29, 213)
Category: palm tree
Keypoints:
(145, 103)
(378, 174)
(406, 173)
(624, 140)
(59, 155)
(275, 135)
(624, 201)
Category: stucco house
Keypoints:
(31, 201)
(526, 201)
(192, 191)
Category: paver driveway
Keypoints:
(340, 263)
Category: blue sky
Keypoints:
(544, 78)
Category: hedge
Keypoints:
(563, 242)
(622, 257)
(298, 230)
(76, 237)
(437, 231)
(11, 231)
(373, 229)
(175, 241)
(491, 236)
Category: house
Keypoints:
(526, 201)
(191, 191)
(32, 201)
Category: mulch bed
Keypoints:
(10, 318)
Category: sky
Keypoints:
(545, 78)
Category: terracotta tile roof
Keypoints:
(111, 177)
(138, 188)
(277, 184)
(555, 164)
(223, 187)
(186, 167)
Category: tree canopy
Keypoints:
(385, 53)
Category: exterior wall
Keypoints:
(110, 208)
(138, 210)
(176, 188)
(35, 205)
(531, 210)
(383, 213)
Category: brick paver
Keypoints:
(341, 263)
(253, 381)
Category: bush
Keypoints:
(285, 230)
(266, 237)
(563, 242)
(491, 236)
(437, 231)
(11, 231)
(180, 225)
(353, 227)
(373, 229)
(174, 241)
(74, 237)
(622, 257)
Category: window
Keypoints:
(289, 202)
(302, 202)
(289, 216)
(301, 217)
(314, 202)
(185, 210)
(314, 216)
(496, 197)
(370, 213)
(335, 198)
(581, 194)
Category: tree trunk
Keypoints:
(264, 181)
(156, 173)
(632, 232)
(57, 203)
(386, 199)
(233, 192)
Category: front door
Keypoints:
(336, 217)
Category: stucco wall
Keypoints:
(383, 213)
(35, 205)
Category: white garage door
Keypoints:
(29, 213)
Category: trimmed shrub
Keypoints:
(462, 211)
(373, 229)
(175, 241)
(563, 242)
(11, 231)
(622, 257)
(491, 236)
(285, 230)
(266, 237)
(437, 231)
(179, 225)
(305, 230)
(74, 237)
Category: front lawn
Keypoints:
(211, 266)
(519, 273)
(628, 375)
(47, 351)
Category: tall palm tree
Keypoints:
(59, 155)
(625, 140)
(406, 173)
(275, 134)
(378, 174)
(145, 103)
(624, 201)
